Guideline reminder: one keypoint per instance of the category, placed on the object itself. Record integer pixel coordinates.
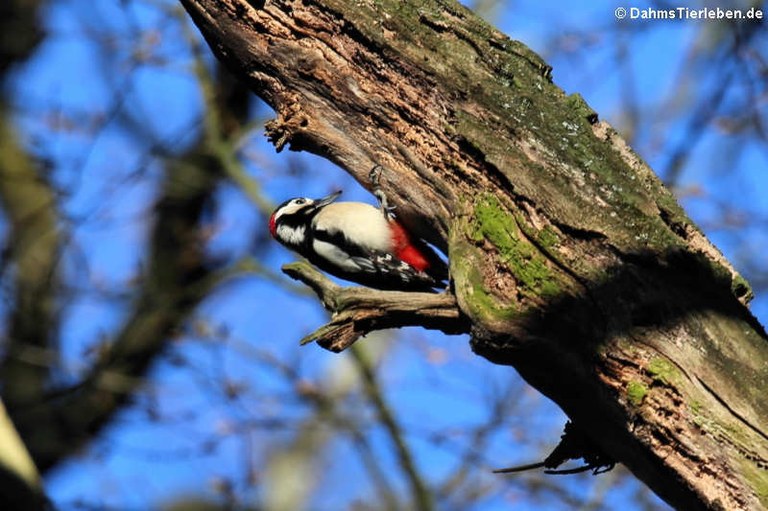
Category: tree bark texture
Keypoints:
(570, 260)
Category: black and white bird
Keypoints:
(357, 242)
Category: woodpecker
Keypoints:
(357, 242)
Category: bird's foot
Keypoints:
(375, 177)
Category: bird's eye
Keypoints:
(299, 202)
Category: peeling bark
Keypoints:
(568, 257)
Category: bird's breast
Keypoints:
(361, 222)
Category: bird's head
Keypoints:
(289, 221)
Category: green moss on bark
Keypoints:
(757, 478)
(477, 301)
(527, 265)
(662, 370)
(636, 392)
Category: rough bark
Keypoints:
(358, 310)
(568, 256)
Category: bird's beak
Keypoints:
(319, 203)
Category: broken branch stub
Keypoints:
(357, 311)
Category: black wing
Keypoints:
(380, 270)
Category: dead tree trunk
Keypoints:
(569, 259)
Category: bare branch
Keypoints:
(357, 311)
(33, 250)
(422, 498)
(176, 280)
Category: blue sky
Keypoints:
(193, 442)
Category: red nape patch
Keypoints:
(404, 249)
(272, 226)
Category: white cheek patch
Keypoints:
(291, 235)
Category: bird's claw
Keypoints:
(375, 177)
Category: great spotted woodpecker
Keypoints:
(357, 242)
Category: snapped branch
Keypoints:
(357, 311)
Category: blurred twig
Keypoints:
(33, 251)
(422, 496)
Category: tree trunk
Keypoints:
(570, 260)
